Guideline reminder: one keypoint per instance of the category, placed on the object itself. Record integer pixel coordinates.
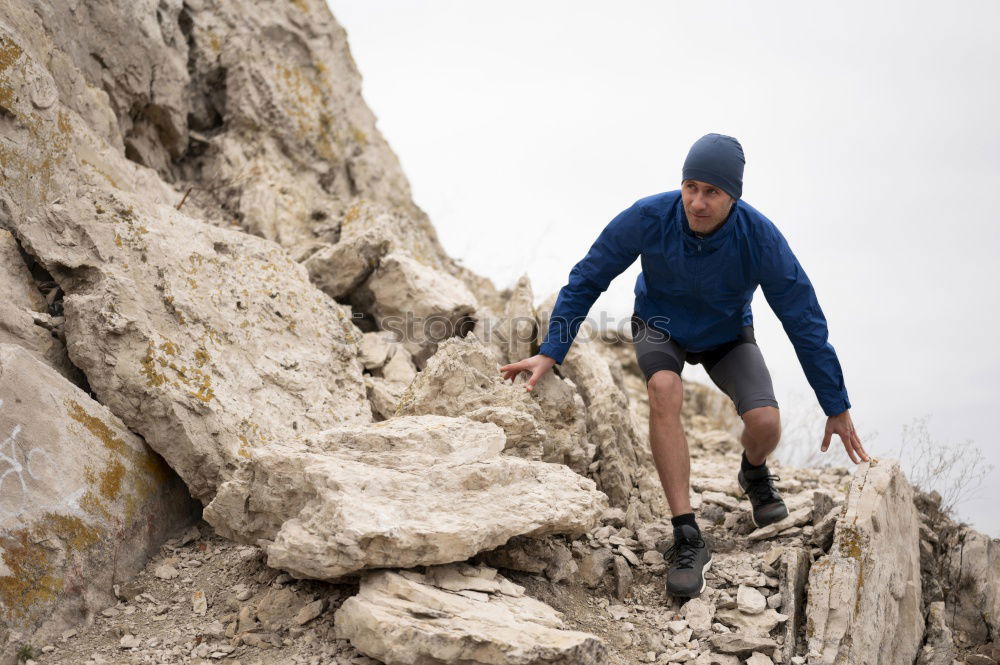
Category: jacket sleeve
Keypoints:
(791, 295)
(615, 249)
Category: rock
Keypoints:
(425, 304)
(939, 647)
(374, 349)
(428, 489)
(623, 577)
(822, 535)
(129, 641)
(277, 608)
(742, 645)
(709, 658)
(794, 571)
(625, 460)
(796, 518)
(166, 572)
(749, 600)
(698, 615)
(24, 312)
(865, 596)
(972, 563)
(383, 395)
(84, 501)
(822, 504)
(309, 612)
(629, 555)
(399, 618)
(519, 328)
(759, 659)
(462, 378)
(199, 603)
(754, 625)
(720, 499)
(592, 567)
(400, 368)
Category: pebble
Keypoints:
(749, 600)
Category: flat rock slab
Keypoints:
(402, 618)
(409, 491)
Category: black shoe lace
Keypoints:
(683, 552)
(762, 489)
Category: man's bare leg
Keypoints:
(667, 440)
(761, 433)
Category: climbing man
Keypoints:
(704, 252)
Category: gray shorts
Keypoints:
(736, 367)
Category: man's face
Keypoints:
(706, 205)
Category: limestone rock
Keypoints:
(425, 305)
(794, 572)
(865, 597)
(973, 597)
(207, 342)
(533, 555)
(24, 315)
(383, 395)
(463, 378)
(625, 471)
(795, 518)
(749, 600)
(83, 501)
(754, 625)
(408, 491)
(401, 618)
(698, 614)
(518, 330)
(742, 645)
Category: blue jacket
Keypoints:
(698, 290)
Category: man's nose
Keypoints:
(698, 203)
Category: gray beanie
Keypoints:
(719, 160)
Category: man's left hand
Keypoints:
(841, 425)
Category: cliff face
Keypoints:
(221, 295)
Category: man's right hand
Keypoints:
(537, 364)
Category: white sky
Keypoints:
(872, 138)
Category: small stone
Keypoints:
(652, 558)
(110, 612)
(758, 658)
(199, 603)
(677, 626)
(774, 601)
(749, 600)
(629, 555)
(310, 612)
(166, 572)
(129, 641)
(67, 634)
(698, 614)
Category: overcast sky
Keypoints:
(872, 139)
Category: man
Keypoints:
(704, 252)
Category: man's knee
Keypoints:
(666, 392)
(764, 423)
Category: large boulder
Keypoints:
(83, 502)
(408, 491)
(206, 341)
(864, 601)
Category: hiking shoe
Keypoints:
(688, 560)
(758, 485)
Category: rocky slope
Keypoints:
(224, 306)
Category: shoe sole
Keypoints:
(704, 582)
